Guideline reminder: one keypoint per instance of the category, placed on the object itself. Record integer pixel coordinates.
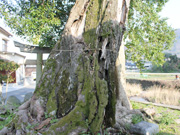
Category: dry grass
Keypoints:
(155, 94)
(133, 89)
(163, 95)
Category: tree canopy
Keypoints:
(40, 22)
(147, 35)
(172, 64)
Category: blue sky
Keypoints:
(172, 11)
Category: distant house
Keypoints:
(9, 52)
(148, 65)
(132, 66)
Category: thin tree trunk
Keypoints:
(1, 93)
(7, 84)
(1, 96)
(0, 88)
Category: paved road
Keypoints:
(20, 93)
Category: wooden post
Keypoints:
(34, 49)
(39, 67)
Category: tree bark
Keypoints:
(83, 81)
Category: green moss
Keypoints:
(110, 108)
(51, 103)
(68, 123)
(45, 82)
(87, 88)
(92, 21)
(102, 97)
(90, 38)
(66, 94)
(87, 91)
(92, 107)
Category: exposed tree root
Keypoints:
(125, 116)
(36, 108)
(43, 123)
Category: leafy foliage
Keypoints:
(147, 34)
(37, 21)
(172, 64)
(53, 35)
(9, 67)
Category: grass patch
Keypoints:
(168, 96)
(167, 118)
(133, 89)
(136, 118)
(155, 94)
(164, 117)
(9, 116)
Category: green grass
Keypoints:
(9, 116)
(164, 118)
(136, 118)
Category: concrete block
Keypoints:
(144, 128)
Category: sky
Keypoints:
(172, 12)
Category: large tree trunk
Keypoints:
(83, 81)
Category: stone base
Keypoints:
(144, 128)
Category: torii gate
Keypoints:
(39, 51)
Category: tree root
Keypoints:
(43, 123)
(124, 117)
(28, 113)
(36, 109)
(25, 105)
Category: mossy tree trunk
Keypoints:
(83, 79)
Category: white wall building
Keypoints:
(11, 53)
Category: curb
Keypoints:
(157, 104)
